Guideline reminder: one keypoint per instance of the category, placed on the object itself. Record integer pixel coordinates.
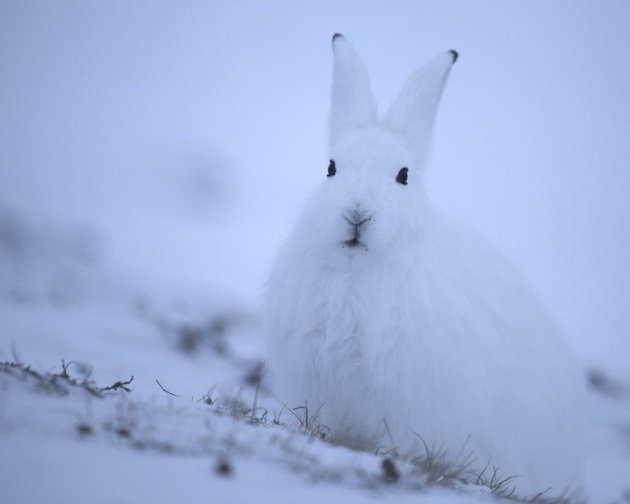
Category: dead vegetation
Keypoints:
(192, 337)
(435, 467)
(61, 383)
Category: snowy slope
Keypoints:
(62, 442)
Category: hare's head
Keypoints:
(372, 197)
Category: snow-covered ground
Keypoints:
(152, 157)
(207, 430)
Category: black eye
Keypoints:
(332, 169)
(401, 178)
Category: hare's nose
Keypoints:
(357, 216)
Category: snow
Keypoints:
(152, 158)
(147, 445)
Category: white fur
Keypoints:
(424, 324)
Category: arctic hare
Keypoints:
(380, 308)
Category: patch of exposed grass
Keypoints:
(435, 467)
(62, 382)
(309, 421)
(498, 483)
(193, 337)
(438, 467)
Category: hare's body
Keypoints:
(381, 309)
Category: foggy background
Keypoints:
(179, 140)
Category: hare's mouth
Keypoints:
(354, 242)
(357, 221)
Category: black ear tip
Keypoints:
(453, 52)
(336, 36)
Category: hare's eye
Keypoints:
(401, 178)
(332, 169)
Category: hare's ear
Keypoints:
(413, 113)
(352, 106)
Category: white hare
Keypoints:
(379, 307)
